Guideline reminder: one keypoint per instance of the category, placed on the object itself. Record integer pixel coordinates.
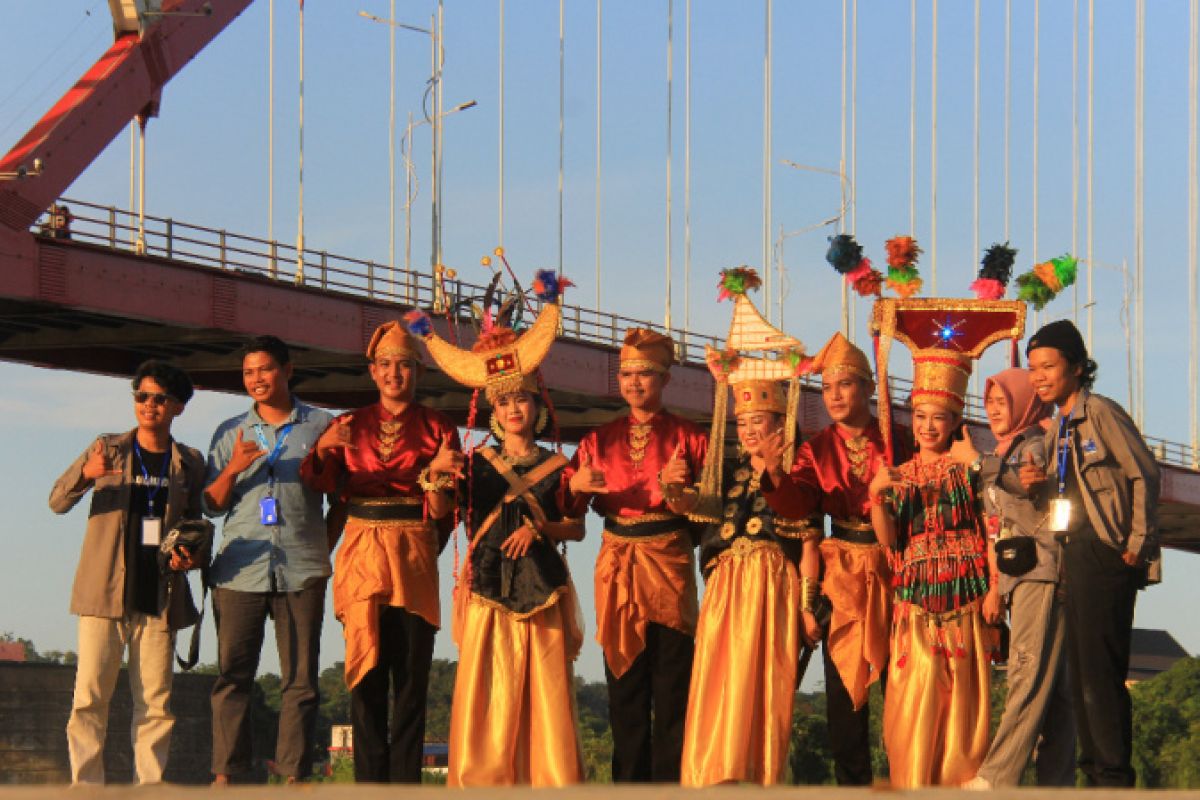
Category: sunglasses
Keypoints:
(157, 398)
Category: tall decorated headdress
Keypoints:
(755, 381)
(945, 336)
(501, 361)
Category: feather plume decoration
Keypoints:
(865, 279)
(1043, 283)
(902, 254)
(994, 272)
(736, 281)
(418, 323)
(722, 363)
(844, 254)
(548, 286)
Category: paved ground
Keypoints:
(344, 791)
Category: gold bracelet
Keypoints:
(434, 485)
(809, 589)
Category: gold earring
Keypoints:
(543, 417)
(497, 430)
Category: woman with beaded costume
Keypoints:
(937, 706)
(739, 713)
(516, 620)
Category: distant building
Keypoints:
(12, 651)
(1152, 652)
(341, 741)
(435, 757)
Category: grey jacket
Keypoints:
(99, 589)
(1004, 496)
(1118, 477)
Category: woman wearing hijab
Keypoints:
(1037, 711)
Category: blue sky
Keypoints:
(208, 156)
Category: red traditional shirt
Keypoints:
(389, 453)
(831, 474)
(631, 455)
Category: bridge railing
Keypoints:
(165, 237)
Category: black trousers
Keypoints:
(240, 619)
(647, 707)
(1101, 593)
(849, 730)
(405, 653)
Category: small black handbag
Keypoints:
(1016, 555)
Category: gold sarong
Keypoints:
(641, 580)
(858, 584)
(739, 712)
(937, 707)
(513, 720)
(382, 563)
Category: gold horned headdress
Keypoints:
(501, 361)
(756, 382)
(945, 336)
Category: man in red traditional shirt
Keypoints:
(634, 471)
(830, 476)
(394, 465)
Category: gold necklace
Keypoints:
(857, 448)
(639, 438)
(523, 460)
(389, 434)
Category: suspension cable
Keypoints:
(670, 81)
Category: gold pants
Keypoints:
(739, 714)
(937, 707)
(513, 719)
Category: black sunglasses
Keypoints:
(158, 398)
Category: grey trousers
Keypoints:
(240, 619)
(1037, 712)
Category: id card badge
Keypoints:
(151, 531)
(268, 511)
(1060, 515)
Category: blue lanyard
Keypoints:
(1063, 442)
(280, 437)
(152, 490)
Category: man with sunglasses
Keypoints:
(273, 562)
(143, 482)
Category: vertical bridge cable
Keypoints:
(300, 198)
(271, 130)
(392, 150)
(133, 138)
(562, 141)
(771, 288)
(975, 227)
(1007, 113)
(140, 245)
(670, 76)
(1139, 190)
(500, 158)
(1075, 156)
(933, 156)
(1037, 55)
(687, 173)
(912, 122)
(599, 108)
(1091, 216)
(842, 176)
(1193, 220)
(851, 299)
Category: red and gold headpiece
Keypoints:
(647, 349)
(945, 336)
(501, 361)
(392, 339)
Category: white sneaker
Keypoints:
(977, 784)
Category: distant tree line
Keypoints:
(1166, 721)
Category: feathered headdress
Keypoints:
(755, 380)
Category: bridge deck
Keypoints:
(91, 303)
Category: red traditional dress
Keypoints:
(937, 709)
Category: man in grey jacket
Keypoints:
(1103, 485)
(143, 482)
